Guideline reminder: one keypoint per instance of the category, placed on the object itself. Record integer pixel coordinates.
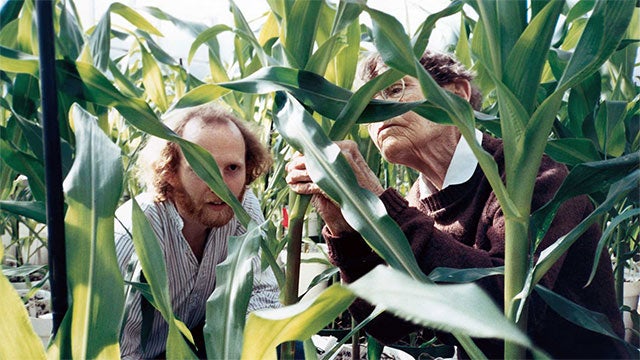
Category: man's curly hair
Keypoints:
(160, 158)
(443, 68)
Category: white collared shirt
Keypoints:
(461, 168)
(190, 282)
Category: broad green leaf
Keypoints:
(227, 305)
(346, 62)
(450, 275)
(361, 209)
(326, 52)
(123, 82)
(31, 209)
(93, 188)
(527, 59)
(26, 95)
(151, 257)
(583, 100)
(421, 39)
(352, 111)
(584, 178)
(300, 31)
(550, 255)
(512, 20)
(348, 12)
(19, 340)
(577, 314)
(25, 164)
(201, 95)
(580, 9)
(459, 308)
(600, 38)
(100, 42)
(134, 18)
(572, 151)
(153, 80)
(488, 30)
(71, 32)
(268, 328)
(205, 37)
(22, 270)
(315, 92)
(18, 62)
(392, 42)
(610, 129)
(26, 39)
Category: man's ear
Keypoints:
(460, 87)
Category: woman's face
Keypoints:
(401, 139)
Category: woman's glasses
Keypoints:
(394, 92)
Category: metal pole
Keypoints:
(52, 159)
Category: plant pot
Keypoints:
(387, 353)
(39, 309)
(631, 294)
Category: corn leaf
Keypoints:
(300, 31)
(270, 327)
(458, 308)
(227, 305)
(602, 34)
(362, 210)
(153, 80)
(151, 258)
(93, 188)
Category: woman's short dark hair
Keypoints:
(160, 158)
(443, 68)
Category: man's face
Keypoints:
(195, 201)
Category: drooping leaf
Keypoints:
(460, 308)
(270, 327)
(584, 179)
(577, 314)
(551, 254)
(451, 275)
(362, 210)
(31, 209)
(572, 151)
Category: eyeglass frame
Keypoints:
(385, 97)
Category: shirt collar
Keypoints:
(461, 168)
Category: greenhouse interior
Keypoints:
(320, 179)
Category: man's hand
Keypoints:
(299, 181)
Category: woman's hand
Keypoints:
(299, 181)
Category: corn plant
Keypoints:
(293, 77)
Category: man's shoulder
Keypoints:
(251, 205)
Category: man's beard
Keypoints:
(198, 211)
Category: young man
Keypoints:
(191, 222)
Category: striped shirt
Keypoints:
(190, 282)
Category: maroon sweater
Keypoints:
(462, 226)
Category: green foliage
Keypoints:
(565, 90)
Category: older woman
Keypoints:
(452, 218)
